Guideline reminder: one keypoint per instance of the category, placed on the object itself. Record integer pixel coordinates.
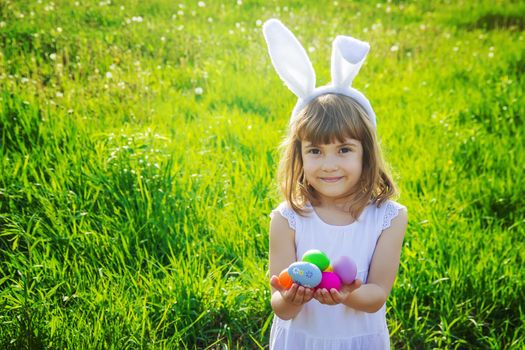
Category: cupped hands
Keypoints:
(333, 296)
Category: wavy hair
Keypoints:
(327, 119)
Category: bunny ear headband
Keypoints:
(294, 67)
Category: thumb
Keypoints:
(356, 284)
(274, 282)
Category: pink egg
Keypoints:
(330, 280)
(346, 269)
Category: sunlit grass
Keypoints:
(138, 154)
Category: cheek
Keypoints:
(309, 168)
(356, 166)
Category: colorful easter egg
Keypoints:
(330, 280)
(305, 274)
(284, 279)
(317, 257)
(330, 268)
(346, 269)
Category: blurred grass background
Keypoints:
(138, 154)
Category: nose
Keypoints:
(330, 163)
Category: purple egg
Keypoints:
(346, 269)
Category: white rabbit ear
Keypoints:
(348, 55)
(289, 58)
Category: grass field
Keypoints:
(138, 154)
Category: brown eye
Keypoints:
(345, 150)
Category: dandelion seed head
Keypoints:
(198, 91)
(201, 4)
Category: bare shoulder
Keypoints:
(279, 222)
(279, 227)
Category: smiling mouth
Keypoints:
(331, 179)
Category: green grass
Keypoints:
(134, 212)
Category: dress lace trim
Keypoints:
(289, 214)
(391, 212)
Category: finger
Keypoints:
(308, 294)
(328, 297)
(316, 294)
(336, 296)
(321, 296)
(274, 282)
(299, 297)
(289, 294)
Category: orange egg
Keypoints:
(329, 269)
(284, 279)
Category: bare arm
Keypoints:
(372, 296)
(285, 303)
(383, 268)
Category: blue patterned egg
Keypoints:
(305, 274)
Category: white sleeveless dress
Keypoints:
(336, 327)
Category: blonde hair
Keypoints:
(326, 119)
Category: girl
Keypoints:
(337, 200)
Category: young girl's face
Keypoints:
(332, 169)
